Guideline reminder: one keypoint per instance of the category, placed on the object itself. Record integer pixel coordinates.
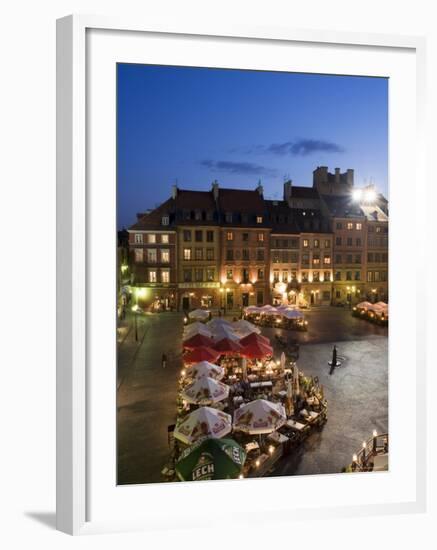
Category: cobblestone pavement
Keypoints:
(357, 393)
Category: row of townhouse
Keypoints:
(229, 248)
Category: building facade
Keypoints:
(230, 248)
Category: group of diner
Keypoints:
(239, 408)
(375, 313)
(282, 316)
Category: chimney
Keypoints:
(337, 175)
(174, 191)
(350, 177)
(215, 190)
(260, 188)
(287, 190)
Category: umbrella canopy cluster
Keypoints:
(289, 312)
(199, 314)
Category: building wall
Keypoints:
(376, 261)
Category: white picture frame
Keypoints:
(75, 212)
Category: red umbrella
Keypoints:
(253, 337)
(201, 354)
(226, 346)
(257, 350)
(197, 341)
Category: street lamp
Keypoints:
(135, 309)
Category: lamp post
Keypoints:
(135, 311)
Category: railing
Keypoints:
(377, 444)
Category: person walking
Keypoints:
(334, 359)
(164, 360)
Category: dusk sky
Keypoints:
(191, 126)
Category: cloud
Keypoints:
(304, 147)
(232, 167)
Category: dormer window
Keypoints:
(228, 217)
(198, 215)
(259, 219)
(165, 220)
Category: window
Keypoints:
(210, 236)
(338, 259)
(349, 258)
(197, 215)
(151, 238)
(138, 255)
(198, 235)
(187, 235)
(245, 275)
(152, 276)
(316, 259)
(187, 275)
(377, 257)
(326, 295)
(285, 276)
(338, 275)
(305, 259)
(165, 220)
(316, 243)
(377, 276)
(327, 260)
(359, 226)
(187, 253)
(209, 253)
(164, 238)
(261, 274)
(245, 237)
(187, 215)
(276, 275)
(294, 275)
(294, 243)
(338, 241)
(358, 241)
(229, 274)
(304, 276)
(350, 225)
(245, 254)
(165, 256)
(284, 257)
(371, 229)
(198, 275)
(357, 275)
(198, 254)
(209, 215)
(326, 275)
(260, 254)
(229, 236)
(357, 258)
(339, 225)
(228, 217)
(384, 276)
(337, 294)
(165, 276)
(385, 257)
(260, 237)
(260, 297)
(378, 229)
(349, 241)
(138, 238)
(259, 219)
(316, 277)
(370, 257)
(348, 275)
(370, 276)
(151, 255)
(229, 254)
(327, 243)
(294, 257)
(210, 272)
(305, 243)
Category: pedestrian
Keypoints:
(334, 359)
(164, 360)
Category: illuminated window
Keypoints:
(165, 276)
(326, 276)
(316, 259)
(316, 243)
(259, 219)
(350, 225)
(187, 253)
(359, 226)
(165, 220)
(316, 277)
(210, 273)
(260, 237)
(305, 243)
(304, 276)
(261, 274)
(229, 236)
(327, 260)
(327, 243)
(138, 255)
(378, 229)
(152, 276)
(138, 238)
(276, 275)
(151, 255)
(164, 239)
(165, 256)
(229, 274)
(151, 238)
(285, 276)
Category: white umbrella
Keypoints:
(244, 327)
(252, 309)
(203, 422)
(224, 332)
(292, 314)
(205, 390)
(201, 314)
(218, 322)
(296, 379)
(205, 368)
(196, 328)
(363, 305)
(259, 417)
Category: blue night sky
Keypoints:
(194, 125)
